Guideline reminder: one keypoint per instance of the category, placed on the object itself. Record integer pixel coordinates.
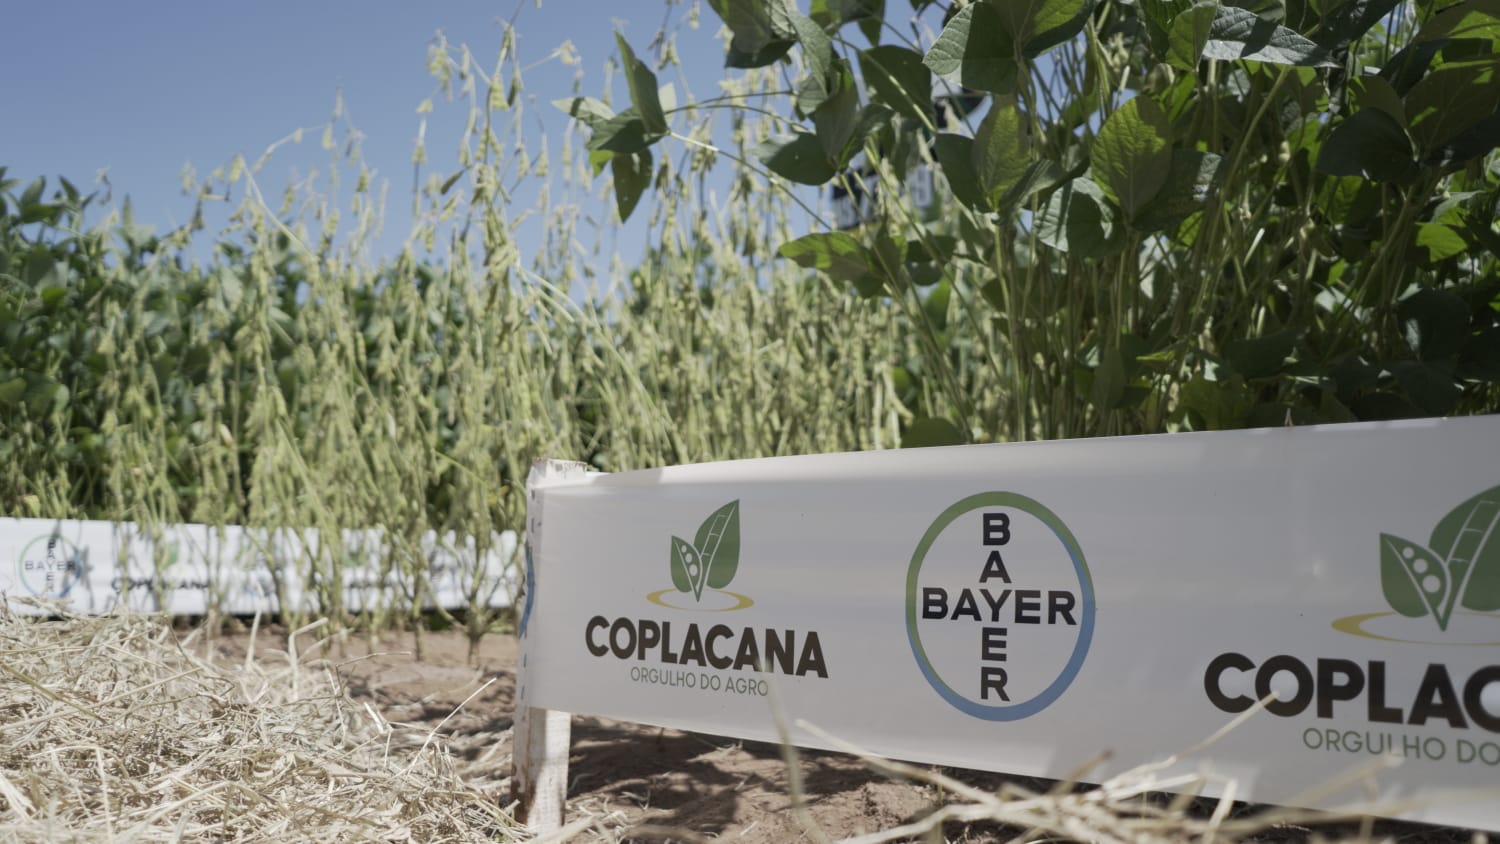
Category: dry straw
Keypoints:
(116, 729)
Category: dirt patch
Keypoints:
(651, 784)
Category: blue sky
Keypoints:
(140, 89)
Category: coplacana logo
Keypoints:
(1443, 593)
(704, 567)
(699, 571)
(1453, 580)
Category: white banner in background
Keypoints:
(1023, 607)
(95, 567)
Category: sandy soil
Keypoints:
(646, 783)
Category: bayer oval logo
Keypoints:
(49, 566)
(999, 606)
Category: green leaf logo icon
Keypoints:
(1459, 566)
(713, 557)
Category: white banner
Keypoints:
(95, 567)
(1023, 607)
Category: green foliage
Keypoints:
(1168, 215)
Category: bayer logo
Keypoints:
(49, 566)
(999, 606)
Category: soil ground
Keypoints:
(646, 783)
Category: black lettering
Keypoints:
(1028, 606)
(934, 602)
(966, 605)
(779, 651)
(1378, 710)
(995, 603)
(1338, 679)
(715, 633)
(598, 622)
(1215, 690)
(811, 660)
(994, 567)
(1293, 666)
(692, 648)
(668, 655)
(1436, 699)
(992, 679)
(749, 654)
(996, 528)
(624, 648)
(1060, 604)
(650, 637)
(992, 644)
(1474, 698)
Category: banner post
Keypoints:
(539, 760)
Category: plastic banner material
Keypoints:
(186, 570)
(1024, 608)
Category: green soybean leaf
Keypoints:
(1241, 34)
(1479, 139)
(1108, 387)
(1188, 35)
(1260, 357)
(1370, 143)
(767, 55)
(1078, 220)
(1437, 242)
(1348, 201)
(934, 248)
(40, 266)
(1040, 177)
(839, 256)
(955, 154)
(1039, 25)
(1410, 63)
(1430, 387)
(1158, 16)
(817, 55)
(1002, 150)
(1131, 155)
(684, 565)
(1474, 19)
(1469, 539)
(974, 51)
(936, 304)
(12, 391)
(929, 431)
(1436, 323)
(1221, 405)
(643, 91)
(1481, 357)
(587, 110)
(718, 542)
(898, 79)
(1377, 92)
(1404, 567)
(838, 120)
(624, 133)
(763, 31)
(1344, 22)
(632, 174)
(798, 157)
(1190, 181)
(1450, 99)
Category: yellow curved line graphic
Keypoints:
(741, 601)
(1354, 626)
